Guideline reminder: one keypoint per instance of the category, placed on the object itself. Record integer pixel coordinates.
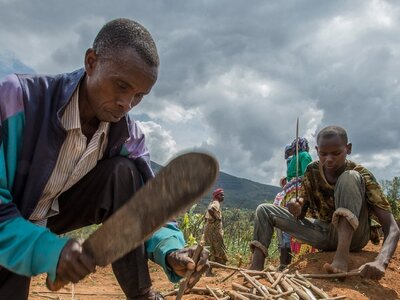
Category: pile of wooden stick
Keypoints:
(269, 285)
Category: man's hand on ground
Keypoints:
(295, 206)
(372, 270)
(73, 264)
(181, 261)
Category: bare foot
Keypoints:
(335, 267)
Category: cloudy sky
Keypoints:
(235, 75)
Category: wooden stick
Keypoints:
(283, 294)
(212, 292)
(170, 293)
(194, 290)
(334, 275)
(241, 288)
(47, 296)
(214, 264)
(279, 289)
(237, 296)
(269, 277)
(302, 294)
(77, 293)
(233, 272)
(189, 273)
(277, 280)
(273, 291)
(300, 282)
(286, 286)
(256, 284)
(337, 298)
(314, 288)
(251, 296)
(229, 276)
(309, 293)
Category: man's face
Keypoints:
(221, 197)
(332, 153)
(114, 85)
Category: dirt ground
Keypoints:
(102, 284)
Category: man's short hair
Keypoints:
(120, 34)
(332, 131)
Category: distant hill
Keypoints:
(9, 64)
(239, 192)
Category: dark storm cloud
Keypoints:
(247, 69)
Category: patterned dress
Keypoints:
(213, 233)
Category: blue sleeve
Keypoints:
(167, 239)
(27, 249)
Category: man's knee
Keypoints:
(124, 177)
(349, 187)
(350, 178)
(262, 211)
(124, 172)
(121, 166)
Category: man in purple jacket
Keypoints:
(70, 156)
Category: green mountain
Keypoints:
(239, 192)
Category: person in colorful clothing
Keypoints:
(289, 154)
(70, 156)
(293, 183)
(343, 196)
(283, 238)
(294, 180)
(213, 231)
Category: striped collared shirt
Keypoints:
(75, 160)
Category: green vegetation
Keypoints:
(238, 232)
(391, 188)
(238, 225)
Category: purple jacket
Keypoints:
(31, 136)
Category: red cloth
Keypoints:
(217, 192)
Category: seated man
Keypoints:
(70, 156)
(343, 195)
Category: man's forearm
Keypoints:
(389, 245)
(391, 232)
(27, 249)
(213, 214)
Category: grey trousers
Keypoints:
(350, 203)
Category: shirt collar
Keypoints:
(70, 119)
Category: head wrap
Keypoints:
(288, 148)
(217, 192)
(303, 145)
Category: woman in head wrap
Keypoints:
(213, 231)
(288, 154)
(294, 176)
(304, 159)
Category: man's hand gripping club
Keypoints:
(74, 264)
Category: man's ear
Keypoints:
(349, 146)
(90, 60)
